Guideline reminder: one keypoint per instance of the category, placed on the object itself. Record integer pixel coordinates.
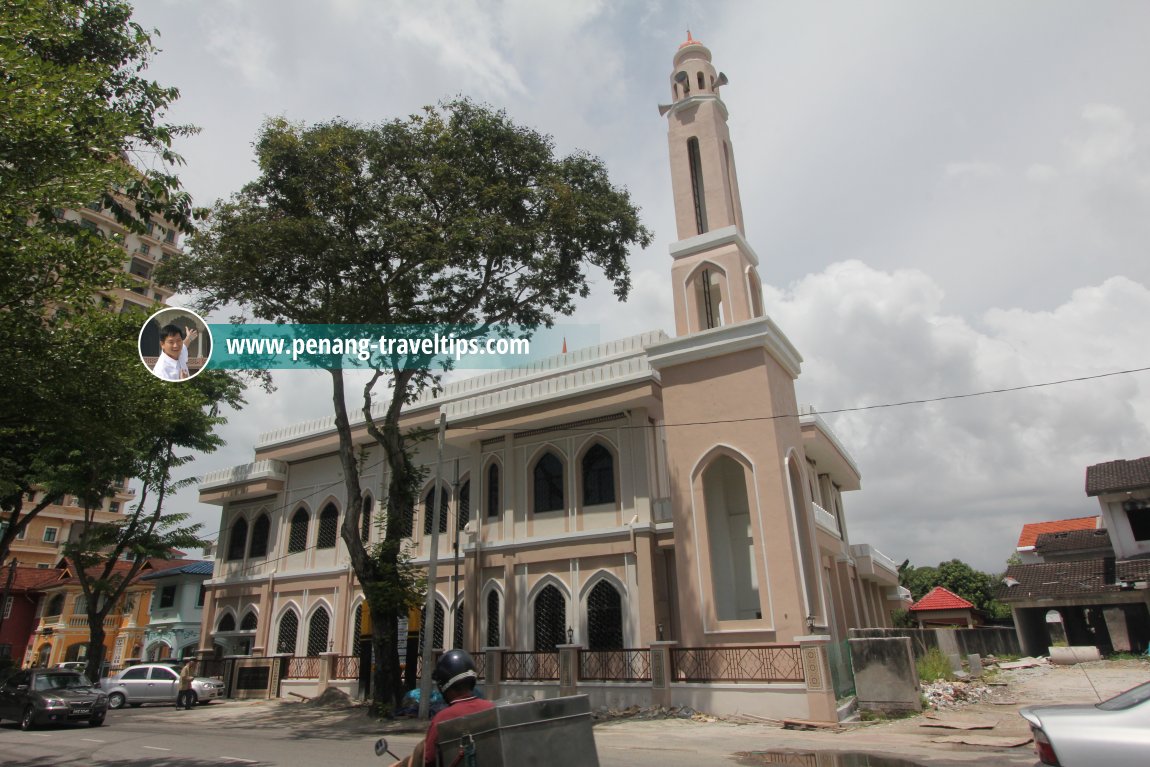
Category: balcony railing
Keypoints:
(531, 666)
(303, 667)
(826, 520)
(346, 667)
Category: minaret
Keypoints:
(715, 272)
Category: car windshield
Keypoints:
(45, 682)
(1125, 700)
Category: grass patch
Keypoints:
(933, 666)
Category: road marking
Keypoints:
(40, 734)
(238, 759)
(93, 740)
(156, 748)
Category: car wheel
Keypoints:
(96, 721)
(116, 700)
(28, 721)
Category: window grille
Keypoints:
(227, 623)
(365, 519)
(598, 476)
(493, 618)
(464, 505)
(493, 505)
(328, 528)
(317, 632)
(260, 532)
(429, 515)
(357, 630)
(604, 618)
(550, 619)
(548, 484)
(407, 522)
(297, 537)
(457, 643)
(436, 628)
(289, 629)
(249, 622)
(239, 540)
(697, 193)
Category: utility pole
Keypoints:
(432, 567)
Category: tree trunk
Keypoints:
(96, 649)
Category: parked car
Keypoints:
(1113, 733)
(156, 683)
(72, 665)
(42, 696)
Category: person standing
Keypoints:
(186, 697)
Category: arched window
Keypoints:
(297, 535)
(317, 631)
(429, 512)
(457, 628)
(550, 619)
(357, 630)
(493, 635)
(598, 476)
(289, 630)
(56, 606)
(494, 506)
(365, 519)
(735, 590)
(548, 484)
(709, 299)
(328, 527)
(696, 165)
(227, 623)
(436, 626)
(260, 532)
(604, 618)
(238, 542)
(249, 622)
(464, 513)
(702, 82)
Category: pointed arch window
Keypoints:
(548, 484)
(227, 623)
(695, 161)
(457, 627)
(261, 530)
(464, 506)
(429, 512)
(317, 631)
(702, 82)
(494, 506)
(365, 519)
(709, 299)
(493, 635)
(357, 630)
(550, 619)
(436, 626)
(604, 618)
(328, 527)
(249, 622)
(238, 541)
(297, 535)
(598, 476)
(288, 632)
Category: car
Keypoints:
(1113, 733)
(44, 696)
(72, 665)
(156, 683)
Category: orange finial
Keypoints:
(690, 40)
(564, 344)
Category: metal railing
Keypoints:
(767, 663)
(627, 665)
(303, 667)
(480, 664)
(530, 666)
(346, 667)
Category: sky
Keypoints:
(946, 198)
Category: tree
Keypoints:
(80, 124)
(954, 575)
(455, 216)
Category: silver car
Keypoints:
(1114, 733)
(156, 683)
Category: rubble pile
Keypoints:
(605, 713)
(942, 694)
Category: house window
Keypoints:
(7, 608)
(604, 618)
(200, 597)
(493, 618)
(260, 532)
(357, 630)
(709, 297)
(227, 623)
(289, 629)
(328, 527)
(317, 632)
(429, 516)
(598, 476)
(249, 622)
(50, 534)
(550, 619)
(464, 506)
(56, 605)
(697, 193)
(436, 626)
(493, 504)
(458, 628)
(114, 507)
(297, 537)
(22, 533)
(144, 249)
(42, 565)
(239, 540)
(167, 596)
(1138, 514)
(365, 519)
(548, 476)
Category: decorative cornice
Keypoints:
(759, 333)
(714, 239)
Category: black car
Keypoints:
(42, 696)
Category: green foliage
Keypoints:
(976, 587)
(934, 665)
(902, 619)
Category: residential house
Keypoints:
(941, 607)
(19, 603)
(649, 488)
(1028, 538)
(176, 610)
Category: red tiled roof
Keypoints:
(30, 578)
(1031, 531)
(941, 599)
(1117, 476)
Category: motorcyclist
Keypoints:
(455, 676)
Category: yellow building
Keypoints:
(40, 542)
(61, 632)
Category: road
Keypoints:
(238, 734)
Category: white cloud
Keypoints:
(1110, 139)
(971, 170)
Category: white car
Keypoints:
(156, 683)
(1113, 733)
